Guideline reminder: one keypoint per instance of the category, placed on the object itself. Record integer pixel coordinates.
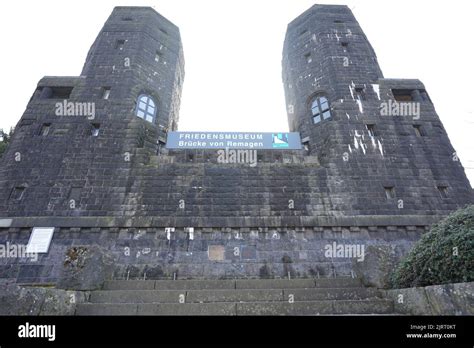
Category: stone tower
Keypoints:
(89, 160)
(381, 138)
(80, 137)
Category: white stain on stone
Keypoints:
(374, 145)
(380, 147)
(376, 89)
(361, 108)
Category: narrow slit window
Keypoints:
(95, 129)
(105, 93)
(306, 145)
(17, 193)
(360, 93)
(119, 44)
(418, 130)
(443, 191)
(389, 192)
(308, 58)
(45, 129)
(158, 56)
(303, 32)
(345, 45)
(371, 129)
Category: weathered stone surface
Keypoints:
(363, 307)
(16, 300)
(410, 301)
(187, 309)
(378, 263)
(446, 299)
(106, 309)
(451, 299)
(86, 268)
(331, 294)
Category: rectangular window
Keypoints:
(345, 45)
(371, 129)
(45, 129)
(57, 92)
(306, 145)
(403, 95)
(158, 56)
(95, 129)
(60, 92)
(418, 130)
(389, 192)
(17, 193)
(127, 19)
(119, 44)
(360, 93)
(105, 93)
(308, 58)
(443, 191)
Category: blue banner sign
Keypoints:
(234, 140)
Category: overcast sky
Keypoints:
(233, 55)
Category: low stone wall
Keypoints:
(209, 253)
(446, 299)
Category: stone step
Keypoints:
(231, 284)
(249, 308)
(230, 295)
(316, 307)
(297, 283)
(190, 296)
(331, 294)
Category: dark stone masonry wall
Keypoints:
(232, 252)
(122, 188)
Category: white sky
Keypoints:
(233, 52)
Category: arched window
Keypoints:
(146, 108)
(320, 109)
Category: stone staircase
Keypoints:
(322, 296)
